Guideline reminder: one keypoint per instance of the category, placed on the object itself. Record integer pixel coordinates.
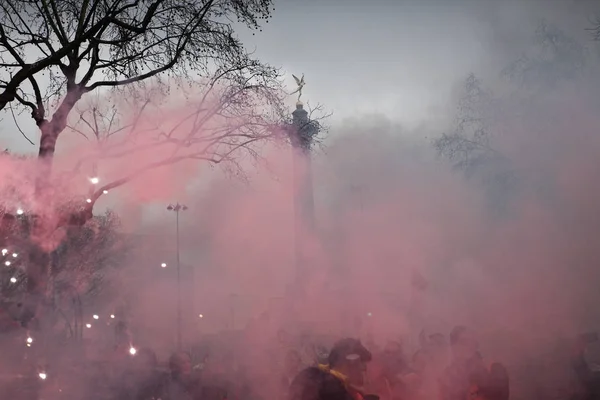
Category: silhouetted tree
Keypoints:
(83, 268)
(554, 58)
(472, 145)
(56, 52)
(469, 147)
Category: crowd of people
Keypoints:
(355, 372)
(442, 368)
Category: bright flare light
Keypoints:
(163, 265)
(201, 316)
(13, 280)
(94, 180)
(7, 263)
(132, 351)
(20, 211)
(29, 340)
(112, 315)
(105, 191)
(88, 325)
(95, 316)
(4, 251)
(42, 375)
(15, 255)
(88, 200)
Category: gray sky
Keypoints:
(399, 58)
(402, 58)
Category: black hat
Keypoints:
(348, 350)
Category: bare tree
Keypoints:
(469, 143)
(554, 58)
(56, 52)
(220, 121)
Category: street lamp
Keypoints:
(177, 208)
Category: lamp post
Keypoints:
(177, 208)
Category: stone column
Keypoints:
(302, 133)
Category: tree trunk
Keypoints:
(45, 218)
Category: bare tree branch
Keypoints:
(18, 126)
(78, 46)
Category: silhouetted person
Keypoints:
(498, 385)
(291, 367)
(146, 381)
(341, 379)
(489, 385)
(589, 379)
(429, 363)
(181, 384)
(395, 378)
(466, 366)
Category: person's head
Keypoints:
(437, 340)
(437, 348)
(350, 357)
(498, 383)
(393, 347)
(292, 362)
(180, 364)
(394, 360)
(464, 343)
(420, 360)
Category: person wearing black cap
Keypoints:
(341, 379)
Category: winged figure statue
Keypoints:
(300, 82)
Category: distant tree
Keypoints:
(469, 146)
(84, 269)
(473, 144)
(56, 52)
(554, 58)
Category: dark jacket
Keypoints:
(457, 377)
(315, 384)
(589, 379)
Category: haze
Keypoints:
(505, 236)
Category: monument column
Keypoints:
(302, 132)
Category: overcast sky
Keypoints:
(400, 58)
(403, 57)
